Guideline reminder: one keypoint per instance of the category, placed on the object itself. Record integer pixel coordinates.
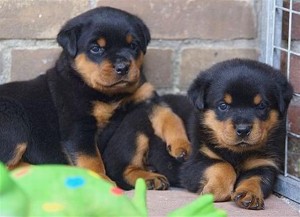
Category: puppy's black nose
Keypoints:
(122, 68)
(243, 130)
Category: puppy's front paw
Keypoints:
(179, 149)
(220, 192)
(218, 179)
(157, 182)
(248, 200)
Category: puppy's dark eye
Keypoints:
(261, 106)
(223, 107)
(96, 50)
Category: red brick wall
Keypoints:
(187, 35)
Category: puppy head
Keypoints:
(242, 102)
(106, 47)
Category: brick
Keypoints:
(205, 19)
(295, 34)
(27, 64)
(36, 19)
(294, 156)
(294, 115)
(158, 67)
(295, 73)
(195, 60)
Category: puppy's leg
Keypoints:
(166, 124)
(92, 162)
(204, 175)
(136, 168)
(154, 181)
(255, 183)
(81, 148)
(219, 180)
(169, 127)
(14, 132)
(160, 161)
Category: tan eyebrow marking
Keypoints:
(228, 98)
(101, 42)
(129, 38)
(257, 99)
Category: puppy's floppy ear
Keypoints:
(147, 36)
(198, 90)
(144, 34)
(285, 93)
(67, 38)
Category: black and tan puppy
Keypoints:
(55, 117)
(238, 132)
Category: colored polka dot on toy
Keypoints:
(52, 207)
(116, 191)
(22, 172)
(75, 182)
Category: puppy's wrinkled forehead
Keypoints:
(106, 39)
(242, 90)
(112, 34)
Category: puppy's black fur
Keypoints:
(238, 131)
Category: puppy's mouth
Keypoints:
(243, 144)
(118, 83)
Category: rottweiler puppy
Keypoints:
(137, 150)
(55, 117)
(238, 131)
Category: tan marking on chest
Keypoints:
(253, 163)
(143, 93)
(209, 153)
(103, 112)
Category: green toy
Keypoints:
(56, 190)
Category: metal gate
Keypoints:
(281, 49)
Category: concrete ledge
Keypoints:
(162, 202)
